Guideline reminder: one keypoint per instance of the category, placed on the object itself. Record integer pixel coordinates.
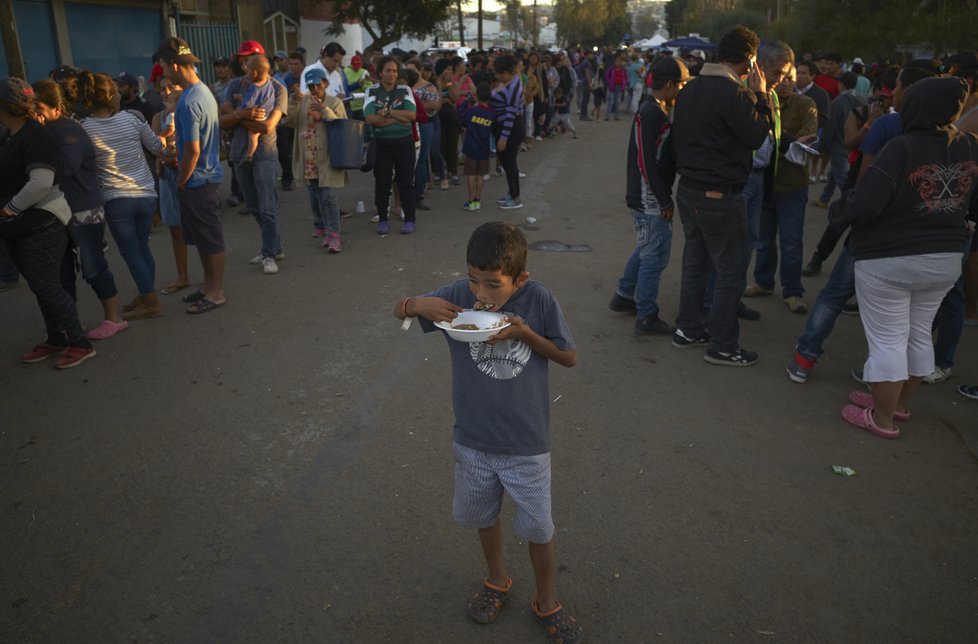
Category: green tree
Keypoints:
(599, 22)
(388, 21)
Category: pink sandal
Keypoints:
(864, 399)
(863, 417)
(107, 329)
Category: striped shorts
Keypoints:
(481, 479)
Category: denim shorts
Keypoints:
(482, 478)
(200, 209)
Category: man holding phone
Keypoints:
(719, 122)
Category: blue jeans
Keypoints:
(784, 218)
(258, 187)
(325, 207)
(421, 168)
(838, 170)
(644, 268)
(130, 219)
(754, 198)
(716, 233)
(614, 102)
(89, 239)
(948, 324)
(437, 160)
(840, 286)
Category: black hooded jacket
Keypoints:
(922, 186)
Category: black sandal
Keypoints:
(484, 607)
(193, 297)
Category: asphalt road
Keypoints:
(279, 470)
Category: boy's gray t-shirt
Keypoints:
(501, 392)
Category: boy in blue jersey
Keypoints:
(501, 399)
(477, 123)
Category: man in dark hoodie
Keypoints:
(651, 171)
(719, 122)
(908, 215)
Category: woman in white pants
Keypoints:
(909, 215)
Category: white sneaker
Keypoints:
(486, 177)
(258, 259)
(402, 215)
(522, 175)
(269, 266)
(375, 219)
(940, 375)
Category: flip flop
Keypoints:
(193, 297)
(560, 627)
(864, 399)
(484, 607)
(863, 418)
(173, 288)
(203, 305)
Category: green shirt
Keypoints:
(400, 98)
(799, 117)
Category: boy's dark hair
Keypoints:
(737, 45)
(483, 92)
(505, 63)
(497, 245)
(410, 75)
(849, 80)
(383, 63)
(810, 66)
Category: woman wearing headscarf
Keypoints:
(32, 223)
(909, 216)
(78, 180)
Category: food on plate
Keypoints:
(466, 327)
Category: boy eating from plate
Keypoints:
(501, 399)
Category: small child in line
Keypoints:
(598, 93)
(258, 70)
(501, 399)
(477, 144)
(562, 108)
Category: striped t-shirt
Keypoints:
(119, 141)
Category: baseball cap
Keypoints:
(314, 76)
(250, 47)
(16, 95)
(223, 60)
(670, 69)
(156, 74)
(357, 61)
(698, 53)
(176, 50)
(281, 53)
(963, 64)
(858, 61)
(127, 79)
(61, 73)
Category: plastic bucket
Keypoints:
(345, 138)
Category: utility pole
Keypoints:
(535, 32)
(461, 24)
(480, 25)
(11, 42)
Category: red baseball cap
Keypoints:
(250, 47)
(156, 74)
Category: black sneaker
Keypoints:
(621, 304)
(652, 325)
(813, 267)
(739, 358)
(744, 312)
(850, 308)
(682, 341)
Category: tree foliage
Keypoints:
(872, 29)
(597, 22)
(388, 21)
(644, 25)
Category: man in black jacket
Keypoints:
(719, 122)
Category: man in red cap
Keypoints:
(357, 80)
(257, 178)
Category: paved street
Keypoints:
(280, 470)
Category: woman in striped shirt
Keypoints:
(127, 184)
(509, 130)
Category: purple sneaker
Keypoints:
(407, 228)
(383, 228)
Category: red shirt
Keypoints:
(829, 84)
